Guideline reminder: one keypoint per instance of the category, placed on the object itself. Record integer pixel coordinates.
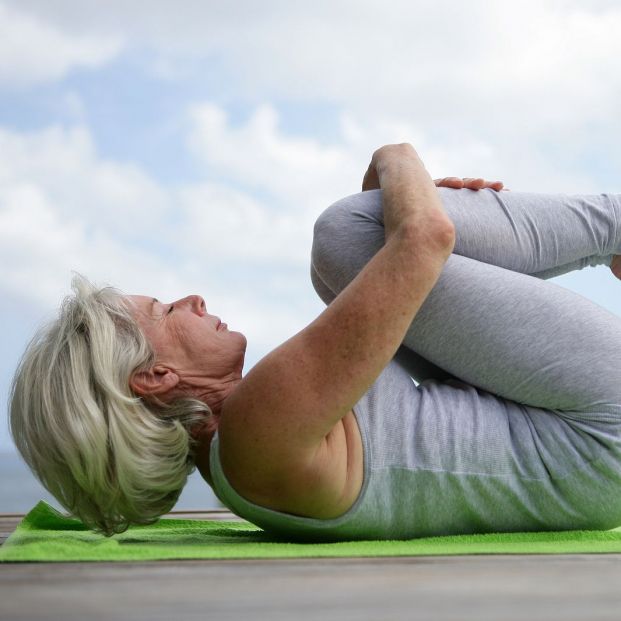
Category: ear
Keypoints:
(156, 381)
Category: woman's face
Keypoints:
(188, 339)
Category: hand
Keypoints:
(409, 191)
(389, 156)
(468, 183)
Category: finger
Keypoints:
(496, 185)
(449, 182)
(472, 183)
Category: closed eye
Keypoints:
(170, 310)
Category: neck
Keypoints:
(215, 399)
(203, 437)
(213, 393)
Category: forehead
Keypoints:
(141, 304)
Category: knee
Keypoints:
(351, 227)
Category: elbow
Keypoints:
(438, 237)
(446, 235)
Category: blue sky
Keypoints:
(190, 151)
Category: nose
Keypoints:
(196, 304)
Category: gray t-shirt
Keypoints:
(428, 470)
(516, 422)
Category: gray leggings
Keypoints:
(493, 320)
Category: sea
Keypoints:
(20, 490)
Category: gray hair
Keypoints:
(107, 456)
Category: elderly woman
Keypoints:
(515, 424)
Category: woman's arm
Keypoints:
(274, 423)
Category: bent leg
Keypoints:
(522, 338)
(489, 323)
(544, 235)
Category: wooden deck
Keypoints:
(460, 588)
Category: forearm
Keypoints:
(418, 367)
(364, 326)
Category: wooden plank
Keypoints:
(481, 588)
(215, 514)
(8, 522)
(567, 587)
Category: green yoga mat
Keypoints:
(46, 535)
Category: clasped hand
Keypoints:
(371, 178)
(468, 183)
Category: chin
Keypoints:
(242, 352)
(239, 336)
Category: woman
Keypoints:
(515, 426)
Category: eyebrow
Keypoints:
(152, 303)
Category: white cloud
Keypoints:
(223, 222)
(299, 171)
(33, 51)
(337, 44)
(39, 247)
(63, 208)
(73, 106)
(116, 196)
(541, 63)
(519, 89)
(303, 176)
(526, 92)
(516, 91)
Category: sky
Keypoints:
(175, 148)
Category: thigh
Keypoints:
(539, 234)
(522, 338)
